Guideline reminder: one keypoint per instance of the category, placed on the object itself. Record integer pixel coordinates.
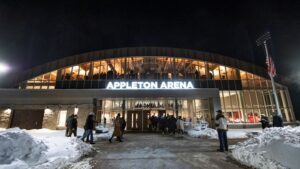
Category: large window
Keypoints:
(244, 95)
(45, 81)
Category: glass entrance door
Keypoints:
(137, 111)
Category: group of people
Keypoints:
(222, 127)
(71, 127)
(166, 124)
(277, 121)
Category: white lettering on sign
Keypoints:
(150, 85)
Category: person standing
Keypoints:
(264, 121)
(73, 128)
(180, 126)
(277, 120)
(69, 125)
(88, 128)
(104, 122)
(123, 126)
(117, 129)
(222, 127)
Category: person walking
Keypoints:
(117, 129)
(277, 120)
(88, 128)
(222, 127)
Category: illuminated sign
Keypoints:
(150, 85)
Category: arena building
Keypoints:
(138, 83)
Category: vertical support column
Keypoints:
(99, 110)
(216, 105)
(191, 109)
(290, 105)
(176, 107)
(241, 106)
(95, 108)
(285, 106)
(123, 108)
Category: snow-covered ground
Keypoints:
(42, 149)
(200, 132)
(274, 148)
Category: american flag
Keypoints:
(271, 67)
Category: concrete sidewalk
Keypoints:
(155, 151)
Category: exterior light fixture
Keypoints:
(4, 68)
(8, 111)
(47, 110)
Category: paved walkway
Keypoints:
(155, 151)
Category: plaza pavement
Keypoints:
(156, 151)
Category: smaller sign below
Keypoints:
(133, 85)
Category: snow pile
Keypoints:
(49, 148)
(274, 148)
(19, 147)
(104, 136)
(199, 132)
(202, 132)
(101, 128)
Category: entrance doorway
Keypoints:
(28, 119)
(137, 120)
(137, 111)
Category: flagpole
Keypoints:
(272, 81)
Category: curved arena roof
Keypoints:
(141, 51)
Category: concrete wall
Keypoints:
(51, 118)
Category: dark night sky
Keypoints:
(32, 32)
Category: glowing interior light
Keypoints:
(76, 110)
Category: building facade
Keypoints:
(141, 82)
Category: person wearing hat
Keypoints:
(88, 128)
(264, 121)
(222, 127)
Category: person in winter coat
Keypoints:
(123, 126)
(222, 127)
(180, 125)
(73, 127)
(264, 121)
(69, 125)
(277, 120)
(117, 129)
(172, 125)
(88, 128)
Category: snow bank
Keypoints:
(203, 133)
(200, 132)
(19, 147)
(49, 149)
(274, 148)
